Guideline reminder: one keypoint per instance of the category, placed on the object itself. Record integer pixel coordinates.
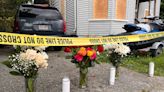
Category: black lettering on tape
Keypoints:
(1, 38)
(19, 39)
(4, 38)
(123, 39)
(64, 41)
(104, 40)
(95, 41)
(116, 39)
(29, 40)
(142, 37)
(10, 39)
(110, 40)
(40, 40)
(50, 40)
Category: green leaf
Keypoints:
(7, 63)
(16, 73)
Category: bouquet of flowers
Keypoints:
(27, 63)
(84, 57)
(116, 52)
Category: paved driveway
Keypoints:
(50, 80)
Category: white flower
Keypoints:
(28, 61)
(121, 49)
(28, 55)
(110, 46)
(40, 48)
(40, 60)
(45, 55)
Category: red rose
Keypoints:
(78, 57)
(67, 49)
(100, 48)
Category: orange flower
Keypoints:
(82, 51)
(82, 48)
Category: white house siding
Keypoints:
(100, 28)
(158, 3)
(70, 16)
(108, 26)
(88, 26)
(82, 17)
(117, 25)
(130, 11)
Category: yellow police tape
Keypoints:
(34, 40)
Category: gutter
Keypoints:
(75, 14)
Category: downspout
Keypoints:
(155, 2)
(149, 6)
(137, 8)
(75, 14)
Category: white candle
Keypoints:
(66, 84)
(112, 75)
(151, 69)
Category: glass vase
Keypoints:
(83, 77)
(30, 84)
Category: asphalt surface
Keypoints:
(50, 79)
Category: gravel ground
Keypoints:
(50, 80)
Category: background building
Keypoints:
(103, 17)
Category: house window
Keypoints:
(120, 9)
(100, 9)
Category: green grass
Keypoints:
(141, 64)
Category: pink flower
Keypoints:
(78, 57)
(93, 56)
(89, 48)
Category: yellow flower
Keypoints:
(89, 53)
